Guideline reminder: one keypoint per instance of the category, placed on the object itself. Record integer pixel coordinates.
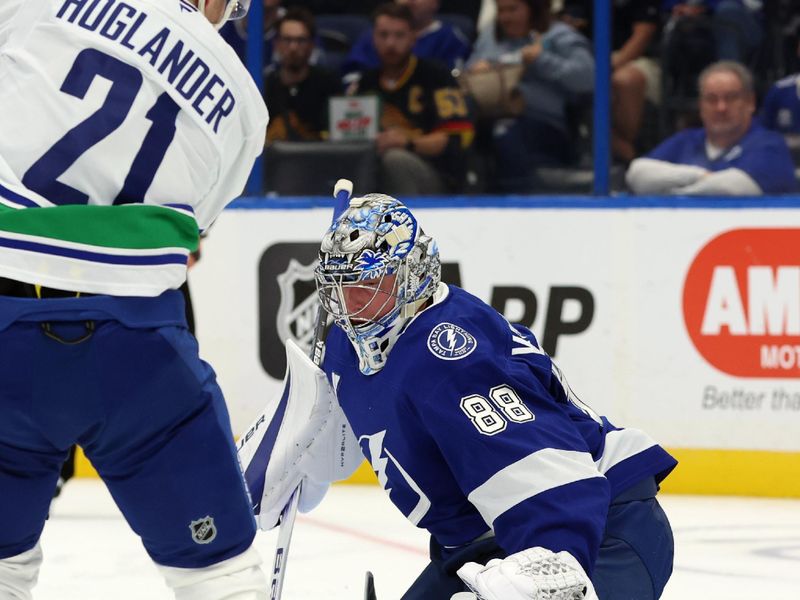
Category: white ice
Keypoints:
(726, 549)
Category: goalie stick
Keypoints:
(341, 192)
(369, 587)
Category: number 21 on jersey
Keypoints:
(126, 81)
(489, 421)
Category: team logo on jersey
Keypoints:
(203, 530)
(406, 493)
(451, 342)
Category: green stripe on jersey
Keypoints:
(129, 226)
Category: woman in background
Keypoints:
(559, 67)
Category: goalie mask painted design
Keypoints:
(234, 9)
(376, 269)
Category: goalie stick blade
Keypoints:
(369, 587)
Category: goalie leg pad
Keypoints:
(302, 436)
(18, 574)
(237, 578)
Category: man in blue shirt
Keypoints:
(435, 40)
(729, 155)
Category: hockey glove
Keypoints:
(532, 574)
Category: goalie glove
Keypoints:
(532, 574)
(303, 436)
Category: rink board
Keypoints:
(678, 317)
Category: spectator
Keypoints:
(736, 25)
(434, 40)
(635, 75)
(729, 155)
(700, 32)
(558, 66)
(781, 109)
(235, 33)
(297, 92)
(425, 127)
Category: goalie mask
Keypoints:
(376, 269)
(234, 9)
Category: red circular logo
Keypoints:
(741, 302)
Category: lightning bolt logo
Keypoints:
(450, 335)
(380, 465)
(451, 342)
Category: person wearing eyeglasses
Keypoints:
(297, 92)
(730, 155)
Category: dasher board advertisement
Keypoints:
(684, 323)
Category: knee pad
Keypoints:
(237, 578)
(18, 574)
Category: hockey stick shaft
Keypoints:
(342, 192)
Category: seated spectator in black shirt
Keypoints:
(297, 92)
(424, 121)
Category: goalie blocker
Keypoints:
(302, 436)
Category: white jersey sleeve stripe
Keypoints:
(536, 473)
(621, 445)
(14, 200)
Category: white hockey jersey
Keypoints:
(124, 125)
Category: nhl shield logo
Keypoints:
(203, 530)
(298, 308)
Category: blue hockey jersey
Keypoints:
(781, 109)
(470, 427)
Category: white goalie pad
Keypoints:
(302, 435)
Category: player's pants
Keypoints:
(122, 378)
(634, 562)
